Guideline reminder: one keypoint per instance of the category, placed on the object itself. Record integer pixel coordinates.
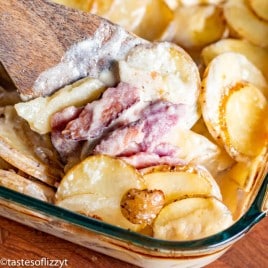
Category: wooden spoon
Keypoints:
(44, 46)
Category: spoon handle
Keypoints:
(35, 35)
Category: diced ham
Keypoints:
(60, 119)
(145, 134)
(98, 115)
(65, 147)
(141, 143)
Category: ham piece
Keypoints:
(59, 120)
(140, 140)
(141, 143)
(73, 125)
(99, 114)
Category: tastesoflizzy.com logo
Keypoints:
(43, 262)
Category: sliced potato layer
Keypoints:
(96, 186)
(192, 218)
(136, 16)
(195, 26)
(126, 13)
(156, 18)
(260, 7)
(29, 187)
(242, 115)
(181, 181)
(163, 71)
(245, 23)
(246, 174)
(102, 175)
(232, 107)
(205, 153)
(257, 55)
(38, 111)
(27, 150)
(100, 207)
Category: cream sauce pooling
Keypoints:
(94, 57)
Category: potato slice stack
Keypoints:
(193, 207)
(260, 8)
(95, 187)
(25, 165)
(235, 107)
(244, 20)
(135, 16)
(29, 152)
(163, 199)
(195, 26)
(191, 24)
(240, 124)
(226, 150)
(79, 93)
(164, 71)
(255, 54)
(26, 185)
(192, 218)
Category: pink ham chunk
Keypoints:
(143, 139)
(98, 115)
(65, 147)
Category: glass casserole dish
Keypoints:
(129, 246)
(137, 248)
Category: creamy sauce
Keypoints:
(93, 57)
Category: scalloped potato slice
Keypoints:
(127, 13)
(155, 20)
(27, 150)
(242, 118)
(181, 181)
(195, 26)
(257, 55)
(37, 112)
(25, 186)
(102, 175)
(242, 178)
(199, 150)
(245, 23)
(192, 218)
(163, 71)
(100, 207)
(260, 7)
(245, 174)
(96, 186)
(226, 73)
